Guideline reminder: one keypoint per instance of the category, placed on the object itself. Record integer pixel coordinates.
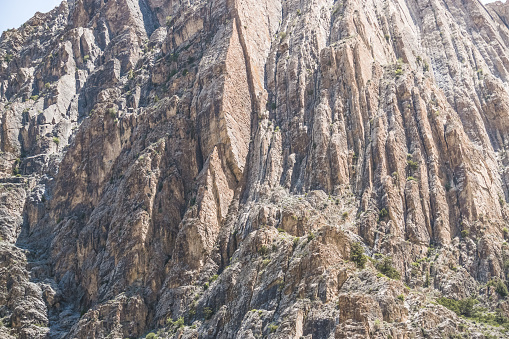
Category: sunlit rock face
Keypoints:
(205, 169)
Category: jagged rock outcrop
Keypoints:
(205, 169)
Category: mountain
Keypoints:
(255, 169)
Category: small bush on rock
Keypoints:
(357, 255)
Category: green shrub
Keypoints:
(151, 335)
(8, 58)
(208, 312)
(264, 250)
(413, 165)
(56, 140)
(299, 12)
(273, 328)
(345, 214)
(465, 233)
(47, 85)
(401, 297)
(176, 324)
(383, 213)
(386, 267)
(501, 288)
(311, 236)
(357, 255)
(213, 278)
(463, 307)
(34, 97)
(86, 58)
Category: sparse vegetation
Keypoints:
(175, 324)
(401, 297)
(213, 278)
(34, 97)
(386, 267)
(168, 21)
(311, 236)
(500, 287)
(465, 233)
(357, 255)
(112, 112)
(273, 328)
(151, 335)
(264, 250)
(383, 213)
(208, 312)
(412, 165)
(56, 140)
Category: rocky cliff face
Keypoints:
(207, 169)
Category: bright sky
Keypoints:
(13, 13)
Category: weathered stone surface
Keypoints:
(215, 161)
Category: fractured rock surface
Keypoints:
(202, 169)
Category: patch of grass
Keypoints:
(273, 328)
(213, 278)
(34, 97)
